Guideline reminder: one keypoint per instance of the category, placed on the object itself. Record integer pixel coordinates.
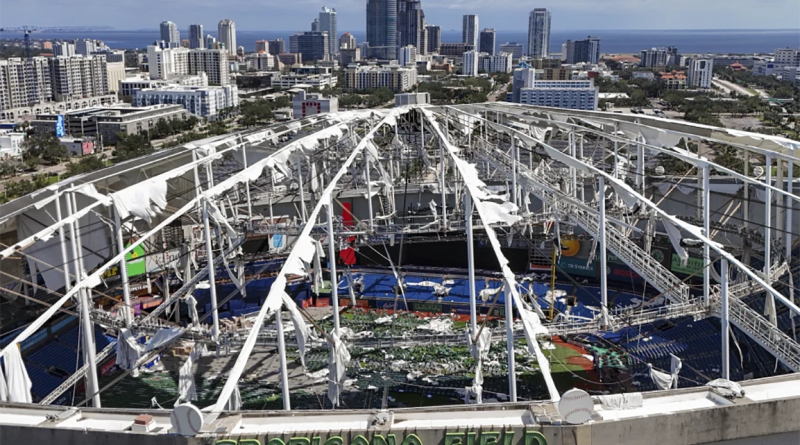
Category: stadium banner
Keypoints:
(693, 266)
(578, 266)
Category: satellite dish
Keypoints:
(186, 420)
(576, 406)
(758, 170)
(659, 170)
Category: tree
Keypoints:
(87, 164)
(639, 98)
(132, 146)
(46, 147)
(162, 129)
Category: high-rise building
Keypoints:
(262, 45)
(487, 41)
(24, 82)
(469, 29)
(469, 65)
(226, 30)
(312, 45)
(315, 25)
(497, 63)
(787, 57)
(170, 34)
(277, 46)
(407, 55)
(63, 49)
(382, 28)
(85, 47)
(78, 77)
(211, 42)
(700, 73)
(513, 48)
(347, 41)
(348, 56)
(539, 33)
(434, 38)
(410, 24)
(175, 62)
(196, 37)
(654, 57)
(581, 51)
(327, 23)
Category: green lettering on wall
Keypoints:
(249, 442)
(453, 439)
(412, 439)
(226, 442)
(490, 438)
(300, 441)
(535, 438)
(275, 441)
(391, 439)
(508, 438)
(359, 440)
(334, 440)
(316, 440)
(378, 439)
(471, 438)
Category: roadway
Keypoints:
(728, 87)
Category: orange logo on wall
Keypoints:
(570, 247)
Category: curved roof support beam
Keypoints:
(678, 153)
(93, 280)
(499, 213)
(302, 251)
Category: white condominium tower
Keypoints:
(539, 33)
(227, 35)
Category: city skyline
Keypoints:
(293, 16)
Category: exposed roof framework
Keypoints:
(76, 232)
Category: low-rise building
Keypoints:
(572, 94)
(304, 104)
(290, 58)
(764, 68)
(106, 122)
(394, 77)
(790, 74)
(11, 145)
(201, 101)
(260, 61)
(78, 146)
(127, 86)
(648, 75)
(674, 80)
(313, 80)
(411, 99)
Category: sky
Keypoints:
(280, 15)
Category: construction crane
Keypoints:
(28, 30)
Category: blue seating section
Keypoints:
(697, 344)
(62, 353)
